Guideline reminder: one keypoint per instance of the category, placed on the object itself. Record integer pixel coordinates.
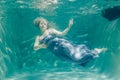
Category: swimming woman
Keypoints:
(51, 39)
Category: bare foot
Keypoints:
(99, 50)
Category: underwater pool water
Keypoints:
(18, 60)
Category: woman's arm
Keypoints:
(65, 31)
(37, 44)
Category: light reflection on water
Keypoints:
(56, 74)
(22, 57)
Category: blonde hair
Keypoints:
(38, 20)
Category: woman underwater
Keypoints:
(51, 39)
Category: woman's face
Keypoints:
(43, 25)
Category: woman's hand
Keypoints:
(70, 22)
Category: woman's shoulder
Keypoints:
(51, 30)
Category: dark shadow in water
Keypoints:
(111, 13)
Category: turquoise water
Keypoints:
(18, 60)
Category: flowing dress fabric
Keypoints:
(62, 48)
